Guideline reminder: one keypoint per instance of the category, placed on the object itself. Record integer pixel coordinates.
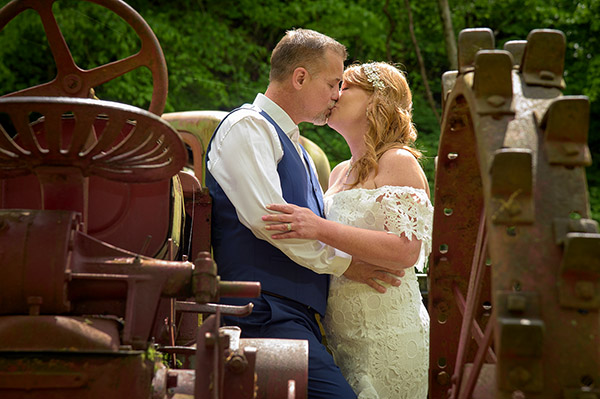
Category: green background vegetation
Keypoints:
(217, 51)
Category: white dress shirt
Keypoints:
(243, 159)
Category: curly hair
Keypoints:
(389, 114)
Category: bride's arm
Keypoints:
(377, 247)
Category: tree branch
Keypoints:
(449, 38)
(421, 62)
(388, 38)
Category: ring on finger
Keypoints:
(289, 227)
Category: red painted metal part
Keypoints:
(516, 148)
(513, 291)
(75, 374)
(281, 367)
(106, 132)
(77, 189)
(72, 81)
(91, 277)
(198, 206)
(96, 279)
(126, 143)
(457, 219)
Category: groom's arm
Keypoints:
(243, 160)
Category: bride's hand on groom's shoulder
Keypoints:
(373, 275)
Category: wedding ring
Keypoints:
(289, 227)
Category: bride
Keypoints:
(378, 210)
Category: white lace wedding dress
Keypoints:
(381, 341)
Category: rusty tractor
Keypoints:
(98, 299)
(96, 221)
(513, 278)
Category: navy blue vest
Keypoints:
(240, 256)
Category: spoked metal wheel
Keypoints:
(71, 80)
(514, 273)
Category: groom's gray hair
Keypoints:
(302, 48)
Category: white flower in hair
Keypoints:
(373, 77)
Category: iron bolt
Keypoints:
(210, 339)
(443, 378)
(171, 379)
(443, 307)
(237, 363)
(514, 210)
(585, 290)
(72, 83)
(213, 340)
(496, 100)
(34, 302)
(570, 148)
(205, 279)
(519, 376)
(457, 124)
(516, 303)
(518, 395)
(547, 75)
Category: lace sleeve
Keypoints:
(408, 210)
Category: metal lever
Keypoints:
(228, 310)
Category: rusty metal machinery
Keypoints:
(514, 274)
(513, 281)
(71, 80)
(92, 233)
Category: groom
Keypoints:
(254, 159)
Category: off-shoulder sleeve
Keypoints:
(408, 211)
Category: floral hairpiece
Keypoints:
(372, 72)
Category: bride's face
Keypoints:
(350, 111)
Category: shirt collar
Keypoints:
(278, 114)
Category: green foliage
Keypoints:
(205, 63)
(217, 52)
(595, 202)
(20, 69)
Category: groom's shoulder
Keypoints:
(246, 112)
(245, 120)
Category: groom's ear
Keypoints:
(299, 77)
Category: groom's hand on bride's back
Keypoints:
(372, 275)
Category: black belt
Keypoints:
(287, 299)
(275, 295)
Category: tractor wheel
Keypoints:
(72, 81)
(514, 272)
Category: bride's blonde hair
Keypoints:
(389, 114)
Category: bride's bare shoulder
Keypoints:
(399, 167)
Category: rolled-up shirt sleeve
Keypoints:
(243, 160)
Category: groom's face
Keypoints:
(323, 88)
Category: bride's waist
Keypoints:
(409, 282)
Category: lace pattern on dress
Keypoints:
(398, 210)
(381, 341)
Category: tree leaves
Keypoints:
(218, 52)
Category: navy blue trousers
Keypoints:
(274, 317)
